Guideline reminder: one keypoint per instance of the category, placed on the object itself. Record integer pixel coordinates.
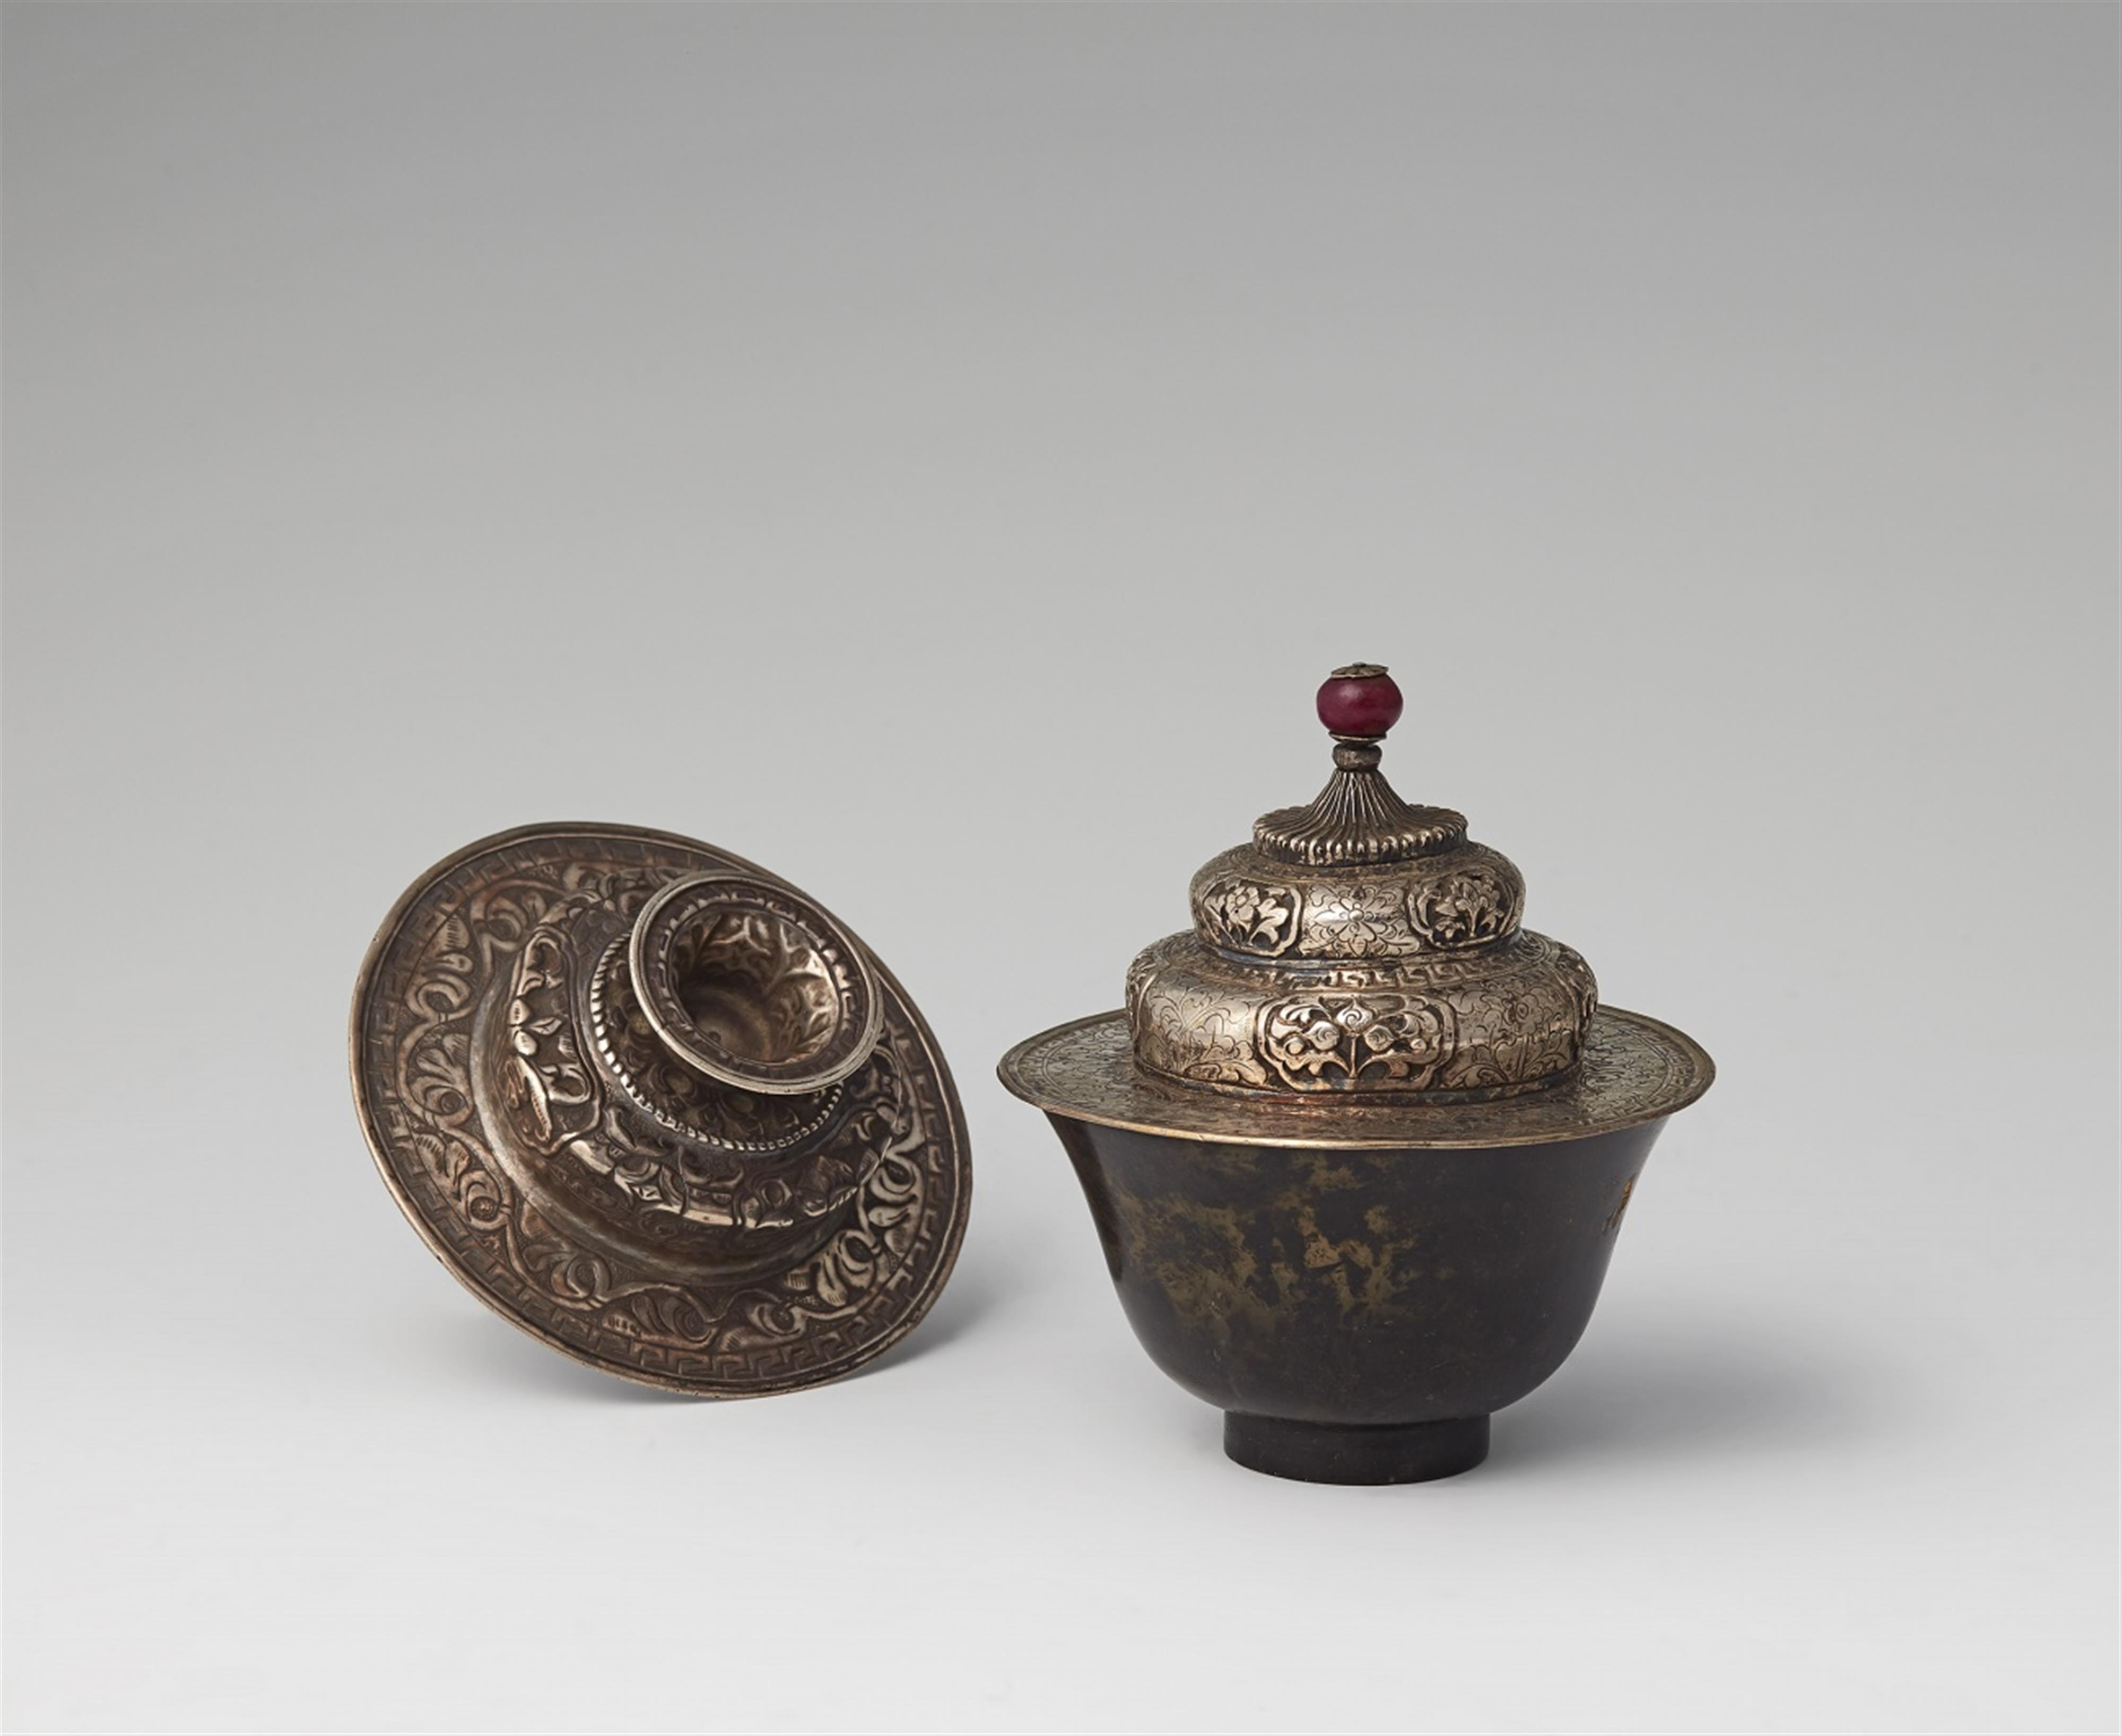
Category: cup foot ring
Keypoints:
(1341, 1453)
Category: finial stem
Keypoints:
(1357, 818)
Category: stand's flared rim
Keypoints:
(1635, 1070)
(626, 1309)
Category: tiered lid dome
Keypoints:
(1360, 945)
(1357, 977)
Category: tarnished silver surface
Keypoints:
(1249, 906)
(1422, 1029)
(1634, 1070)
(1357, 818)
(1361, 948)
(745, 1172)
(753, 985)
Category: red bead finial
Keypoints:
(1361, 700)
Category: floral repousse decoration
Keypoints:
(1578, 974)
(1251, 918)
(544, 1079)
(1331, 1042)
(1466, 908)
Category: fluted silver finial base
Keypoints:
(1357, 818)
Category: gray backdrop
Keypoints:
(937, 452)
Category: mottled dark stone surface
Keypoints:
(1364, 1288)
(1337, 1453)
